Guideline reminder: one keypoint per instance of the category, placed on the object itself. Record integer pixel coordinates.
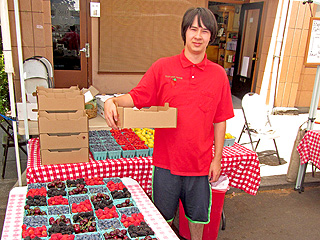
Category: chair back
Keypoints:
(255, 111)
(37, 72)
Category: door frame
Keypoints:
(245, 7)
(73, 75)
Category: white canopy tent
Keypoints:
(312, 111)
(7, 52)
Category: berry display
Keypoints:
(142, 230)
(33, 232)
(60, 219)
(36, 211)
(101, 200)
(121, 194)
(74, 183)
(35, 221)
(80, 189)
(62, 227)
(101, 189)
(36, 185)
(77, 198)
(126, 203)
(135, 219)
(36, 201)
(79, 216)
(116, 234)
(85, 225)
(94, 181)
(90, 236)
(57, 183)
(37, 192)
(58, 200)
(58, 210)
(84, 206)
(56, 192)
(107, 213)
(60, 236)
(71, 216)
(105, 224)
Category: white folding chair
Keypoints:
(257, 123)
(37, 72)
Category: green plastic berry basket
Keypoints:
(37, 205)
(113, 179)
(93, 190)
(58, 210)
(99, 155)
(228, 142)
(77, 198)
(55, 217)
(89, 235)
(36, 186)
(36, 221)
(65, 197)
(128, 153)
(73, 216)
(42, 209)
(150, 151)
(106, 224)
(142, 152)
(116, 154)
(110, 230)
(122, 200)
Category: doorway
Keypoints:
(236, 45)
(246, 53)
(71, 50)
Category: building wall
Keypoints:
(116, 82)
(294, 88)
(35, 21)
(267, 23)
(296, 81)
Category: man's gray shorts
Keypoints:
(194, 192)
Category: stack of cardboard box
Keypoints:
(63, 126)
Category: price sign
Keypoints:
(312, 56)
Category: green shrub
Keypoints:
(4, 89)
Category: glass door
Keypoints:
(69, 39)
(247, 45)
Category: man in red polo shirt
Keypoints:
(199, 89)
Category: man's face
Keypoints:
(197, 38)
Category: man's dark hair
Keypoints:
(204, 15)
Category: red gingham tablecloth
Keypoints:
(240, 164)
(309, 148)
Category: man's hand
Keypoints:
(110, 113)
(110, 109)
(214, 170)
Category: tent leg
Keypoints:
(300, 177)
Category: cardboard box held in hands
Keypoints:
(153, 117)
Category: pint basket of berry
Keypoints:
(84, 223)
(58, 209)
(105, 224)
(35, 211)
(101, 200)
(117, 233)
(123, 203)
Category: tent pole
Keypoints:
(311, 119)
(7, 52)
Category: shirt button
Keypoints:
(192, 76)
(193, 65)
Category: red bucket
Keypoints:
(211, 230)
